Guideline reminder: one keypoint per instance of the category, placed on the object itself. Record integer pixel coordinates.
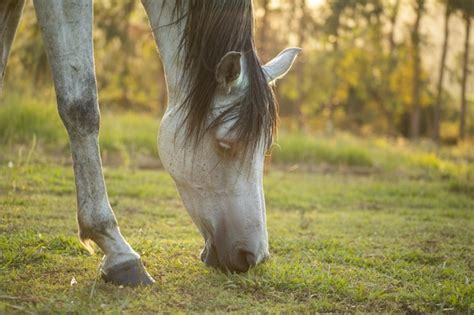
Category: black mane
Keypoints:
(213, 28)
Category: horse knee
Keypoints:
(80, 114)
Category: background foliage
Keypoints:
(368, 67)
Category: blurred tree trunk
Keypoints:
(128, 48)
(392, 61)
(442, 66)
(393, 23)
(465, 73)
(300, 68)
(262, 38)
(338, 8)
(416, 41)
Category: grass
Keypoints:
(123, 135)
(21, 120)
(293, 148)
(339, 243)
(129, 138)
(355, 226)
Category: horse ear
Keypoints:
(228, 70)
(280, 65)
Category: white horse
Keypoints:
(219, 122)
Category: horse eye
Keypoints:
(225, 145)
(226, 149)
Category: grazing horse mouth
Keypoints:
(242, 262)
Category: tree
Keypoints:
(116, 27)
(333, 24)
(263, 27)
(391, 62)
(439, 90)
(416, 42)
(466, 7)
(300, 70)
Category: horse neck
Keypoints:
(167, 30)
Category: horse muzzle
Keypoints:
(238, 258)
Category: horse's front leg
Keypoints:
(10, 13)
(67, 32)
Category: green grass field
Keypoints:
(355, 225)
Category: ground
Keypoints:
(341, 240)
(364, 223)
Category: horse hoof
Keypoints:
(131, 273)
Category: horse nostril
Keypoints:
(244, 260)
